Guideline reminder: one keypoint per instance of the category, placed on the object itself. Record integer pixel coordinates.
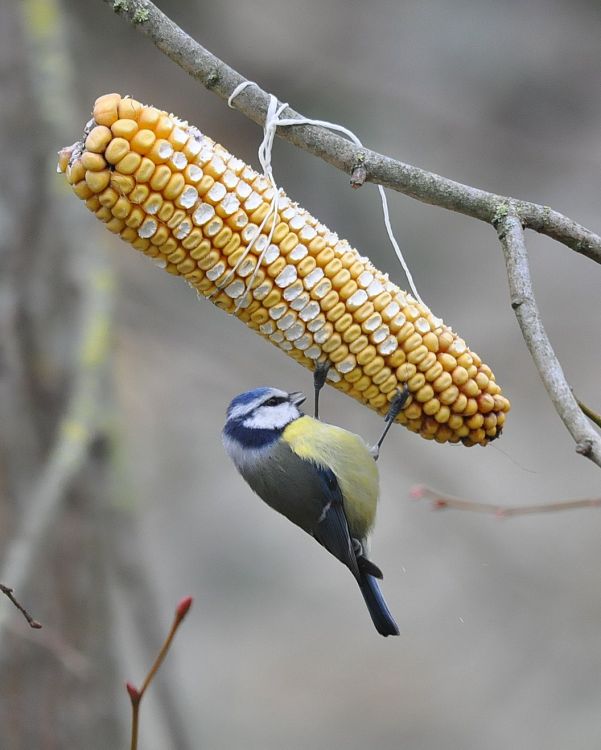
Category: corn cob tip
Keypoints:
(201, 213)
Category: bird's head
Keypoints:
(258, 417)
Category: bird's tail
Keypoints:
(378, 609)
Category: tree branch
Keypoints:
(417, 183)
(7, 591)
(442, 502)
(511, 236)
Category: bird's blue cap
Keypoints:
(247, 397)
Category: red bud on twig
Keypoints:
(134, 693)
(183, 607)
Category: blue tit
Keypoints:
(321, 477)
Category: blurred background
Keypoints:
(500, 620)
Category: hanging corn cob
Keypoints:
(203, 214)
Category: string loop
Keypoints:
(272, 122)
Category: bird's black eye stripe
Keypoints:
(274, 401)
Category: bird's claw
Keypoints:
(397, 404)
(319, 378)
(321, 373)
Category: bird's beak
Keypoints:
(297, 398)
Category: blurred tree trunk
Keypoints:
(57, 685)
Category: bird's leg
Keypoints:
(319, 378)
(396, 406)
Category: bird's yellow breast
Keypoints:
(347, 455)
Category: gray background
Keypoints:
(499, 620)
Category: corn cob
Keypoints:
(184, 200)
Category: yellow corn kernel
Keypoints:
(124, 129)
(108, 197)
(470, 388)
(122, 183)
(93, 162)
(145, 170)
(181, 198)
(75, 172)
(98, 181)
(405, 372)
(139, 194)
(129, 163)
(425, 393)
(135, 218)
(116, 150)
(106, 110)
(98, 139)
(427, 362)
(359, 344)
(82, 190)
(174, 186)
(160, 177)
(417, 355)
(129, 108)
(149, 117)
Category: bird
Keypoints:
(320, 476)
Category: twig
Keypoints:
(442, 502)
(511, 236)
(417, 183)
(592, 415)
(10, 594)
(136, 694)
(132, 592)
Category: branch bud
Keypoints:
(134, 693)
(183, 607)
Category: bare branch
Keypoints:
(441, 501)
(136, 694)
(511, 235)
(10, 594)
(417, 183)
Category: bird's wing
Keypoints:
(307, 493)
(348, 457)
(331, 529)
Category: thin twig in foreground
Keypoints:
(10, 594)
(417, 183)
(441, 501)
(511, 236)
(136, 694)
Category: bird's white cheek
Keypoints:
(272, 417)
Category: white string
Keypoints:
(265, 148)
(272, 122)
